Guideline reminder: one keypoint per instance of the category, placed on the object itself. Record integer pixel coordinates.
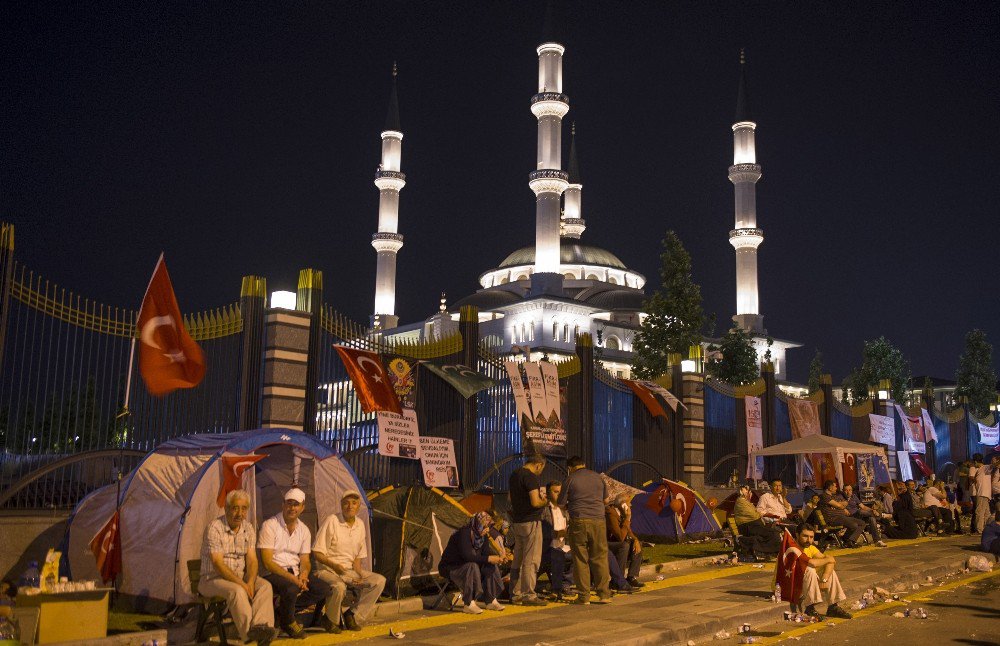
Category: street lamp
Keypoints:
(694, 361)
(283, 300)
(884, 389)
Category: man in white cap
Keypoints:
(285, 544)
(340, 548)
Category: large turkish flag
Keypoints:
(168, 357)
(371, 383)
(233, 467)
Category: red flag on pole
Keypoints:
(233, 467)
(168, 357)
(371, 382)
(107, 548)
(646, 397)
(790, 568)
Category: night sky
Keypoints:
(244, 139)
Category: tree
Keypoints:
(975, 377)
(880, 360)
(815, 370)
(738, 363)
(674, 316)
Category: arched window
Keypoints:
(504, 279)
(531, 331)
(576, 332)
(612, 280)
(566, 332)
(613, 343)
(569, 275)
(592, 277)
(555, 330)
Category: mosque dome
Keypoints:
(572, 252)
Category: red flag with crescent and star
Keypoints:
(168, 357)
(371, 383)
(790, 568)
(107, 548)
(233, 467)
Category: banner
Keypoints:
(755, 437)
(464, 379)
(881, 464)
(849, 467)
(654, 407)
(989, 435)
(550, 380)
(883, 430)
(437, 460)
(536, 391)
(398, 434)
(913, 432)
(813, 468)
(667, 396)
(517, 387)
(929, 431)
(866, 472)
(903, 468)
(539, 408)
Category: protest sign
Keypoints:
(398, 436)
(883, 430)
(913, 432)
(989, 435)
(437, 460)
(755, 437)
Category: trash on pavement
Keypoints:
(393, 634)
(979, 563)
(722, 634)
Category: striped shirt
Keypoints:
(232, 544)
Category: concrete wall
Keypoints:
(26, 536)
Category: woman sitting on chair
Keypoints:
(469, 563)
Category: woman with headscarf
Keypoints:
(469, 563)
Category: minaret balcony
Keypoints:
(548, 180)
(385, 241)
(748, 238)
(573, 227)
(390, 179)
(549, 104)
(739, 173)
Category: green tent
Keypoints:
(402, 533)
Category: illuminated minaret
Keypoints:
(388, 241)
(573, 224)
(745, 237)
(548, 181)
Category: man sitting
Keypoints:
(339, 548)
(229, 570)
(767, 540)
(920, 511)
(772, 504)
(285, 545)
(936, 501)
(861, 511)
(819, 579)
(834, 510)
(623, 543)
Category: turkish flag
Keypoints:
(919, 460)
(658, 499)
(850, 470)
(646, 397)
(233, 467)
(168, 357)
(790, 568)
(687, 500)
(371, 382)
(107, 548)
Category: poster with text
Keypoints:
(755, 437)
(539, 408)
(903, 467)
(883, 430)
(437, 460)
(398, 436)
(989, 435)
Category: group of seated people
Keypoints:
(230, 568)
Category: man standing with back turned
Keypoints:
(526, 503)
(585, 493)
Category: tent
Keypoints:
(652, 516)
(402, 530)
(170, 498)
(822, 444)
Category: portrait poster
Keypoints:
(399, 435)
(811, 469)
(437, 461)
(913, 432)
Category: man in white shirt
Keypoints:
(936, 500)
(339, 549)
(981, 477)
(556, 556)
(773, 504)
(285, 544)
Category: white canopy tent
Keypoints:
(821, 444)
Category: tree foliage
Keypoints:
(975, 376)
(880, 360)
(675, 318)
(815, 370)
(737, 364)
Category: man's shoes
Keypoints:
(837, 612)
(350, 623)
(881, 544)
(263, 635)
(604, 598)
(624, 589)
(328, 626)
(533, 601)
(582, 600)
(635, 583)
(472, 609)
(495, 605)
(294, 630)
(812, 612)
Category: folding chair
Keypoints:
(745, 546)
(442, 533)
(827, 535)
(207, 606)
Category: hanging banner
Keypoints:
(913, 432)
(550, 379)
(989, 435)
(667, 396)
(652, 405)
(536, 391)
(929, 431)
(814, 468)
(398, 434)
(539, 411)
(883, 430)
(866, 472)
(517, 387)
(437, 460)
(755, 437)
(881, 464)
(903, 467)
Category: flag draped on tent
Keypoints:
(790, 569)
(371, 382)
(233, 467)
(464, 379)
(107, 548)
(168, 357)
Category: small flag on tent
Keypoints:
(233, 467)
(107, 548)
(168, 357)
(465, 380)
(790, 569)
(371, 382)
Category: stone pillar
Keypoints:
(253, 295)
(309, 299)
(286, 364)
(767, 414)
(468, 327)
(585, 351)
(826, 411)
(692, 392)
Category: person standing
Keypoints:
(229, 570)
(585, 494)
(554, 525)
(982, 488)
(526, 502)
(285, 544)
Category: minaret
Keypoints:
(746, 237)
(548, 180)
(387, 242)
(573, 224)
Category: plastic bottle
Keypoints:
(777, 593)
(31, 576)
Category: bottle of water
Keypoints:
(777, 593)
(31, 576)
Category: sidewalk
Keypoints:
(686, 605)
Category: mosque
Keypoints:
(544, 295)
